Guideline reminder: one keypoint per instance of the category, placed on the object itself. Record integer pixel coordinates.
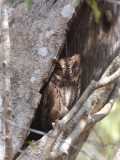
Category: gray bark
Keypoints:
(5, 41)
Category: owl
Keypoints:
(62, 91)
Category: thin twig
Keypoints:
(101, 140)
(102, 145)
(35, 131)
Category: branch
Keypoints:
(107, 108)
(2, 2)
(65, 146)
(34, 131)
(117, 156)
(5, 40)
(83, 123)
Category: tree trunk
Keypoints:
(38, 38)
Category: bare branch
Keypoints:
(117, 156)
(24, 128)
(101, 145)
(2, 2)
(98, 136)
(5, 40)
(63, 150)
(34, 131)
(107, 108)
(108, 80)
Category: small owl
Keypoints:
(62, 91)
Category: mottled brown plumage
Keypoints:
(62, 91)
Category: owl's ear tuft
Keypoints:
(55, 60)
(76, 55)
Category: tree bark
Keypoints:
(5, 41)
(38, 37)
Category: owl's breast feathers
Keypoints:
(68, 93)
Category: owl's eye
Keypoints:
(58, 66)
(74, 65)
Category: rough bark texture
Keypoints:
(5, 40)
(37, 37)
(32, 33)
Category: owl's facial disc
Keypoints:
(68, 69)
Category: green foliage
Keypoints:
(32, 144)
(28, 2)
(94, 5)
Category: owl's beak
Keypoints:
(67, 76)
